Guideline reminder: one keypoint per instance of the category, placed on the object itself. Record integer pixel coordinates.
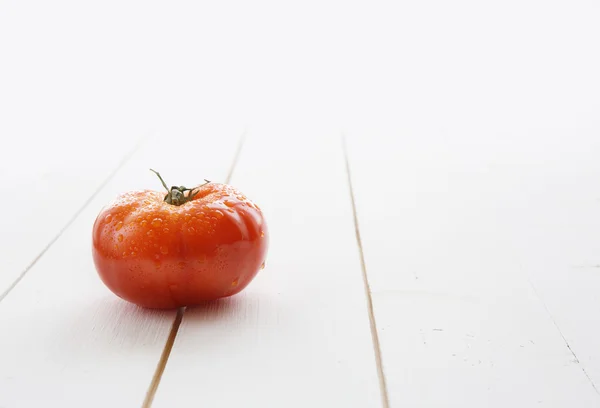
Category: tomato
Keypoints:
(179, 249)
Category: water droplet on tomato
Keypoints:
(218, 214)
(120, 238)
(143, 223)
(150, 233)
(229, 203)
(108, 218)
(132, 253)
(119, 225)
(157, 264)
(164, 250)
(165, 230)
(235, 282)
(262, 266)
(191, 230)
(156, 222)
(262, 234)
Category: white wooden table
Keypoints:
(430, 173)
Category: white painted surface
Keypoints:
(486, 181)
(484, 349)
(455, 232)
(489, 180)
(298, 336)
(46, 190)
(66, 340)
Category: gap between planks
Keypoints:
(120, 165)
(563, 336)
(164, 357)
(367, 286)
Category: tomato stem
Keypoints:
(177, 194)
(160, 178)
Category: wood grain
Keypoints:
(455, 245)
(298, 336)
(66, 340)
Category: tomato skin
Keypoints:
(159, 255)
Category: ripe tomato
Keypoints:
(189, 246)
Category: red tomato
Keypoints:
(182, 249)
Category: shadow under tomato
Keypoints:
(237, 314)
(216, 310)
(112, 325)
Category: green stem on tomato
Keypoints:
(176, 195)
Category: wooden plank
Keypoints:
(66, 340)
(47, 190)
(458, 230)
(298, 336)
(560, 243)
